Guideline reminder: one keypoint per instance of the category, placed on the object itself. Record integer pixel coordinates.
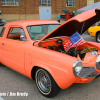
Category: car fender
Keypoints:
(62, 77)
(94, 44)
(94, 30)
(59, 65)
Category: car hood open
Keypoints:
(79, 23)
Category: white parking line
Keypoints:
(1, 98)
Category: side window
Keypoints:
(16, 33)
(2, 32)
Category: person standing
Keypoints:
(58, 17)
(73, 13)
(67, 16)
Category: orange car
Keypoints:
(35, 48)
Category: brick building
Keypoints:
(36, 9)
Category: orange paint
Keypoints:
(22, 56)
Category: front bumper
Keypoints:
(83, 80)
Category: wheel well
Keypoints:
(97, 32)
(33, 72)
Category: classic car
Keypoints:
(2, 21)
(35, 48)
(95, 32)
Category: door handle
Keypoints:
(3, 43)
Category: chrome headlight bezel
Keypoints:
(77, 67)
(98, 63)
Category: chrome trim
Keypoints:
(88, 72)
(98, 63)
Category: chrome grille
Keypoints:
(87, 72)
(98, 65)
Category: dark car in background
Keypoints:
(2, 22)
(64, 16)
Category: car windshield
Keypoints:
(36, 32)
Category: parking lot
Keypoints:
(15, 86)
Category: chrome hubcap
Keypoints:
(43, 81)
(98, 38)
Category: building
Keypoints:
(38, 9)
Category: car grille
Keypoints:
(88, 72)
(98, 65)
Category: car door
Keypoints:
(13, 49)
(1, 39)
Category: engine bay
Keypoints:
(57, 44)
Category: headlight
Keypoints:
(98, 63)
(77, 67)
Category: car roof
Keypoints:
(31, 22)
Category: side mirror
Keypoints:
(22, 38)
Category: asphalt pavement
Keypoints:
(15, 86)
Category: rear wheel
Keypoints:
(45, 83)
(98, 37)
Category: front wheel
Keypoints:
(98, 37)
(45, 83)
